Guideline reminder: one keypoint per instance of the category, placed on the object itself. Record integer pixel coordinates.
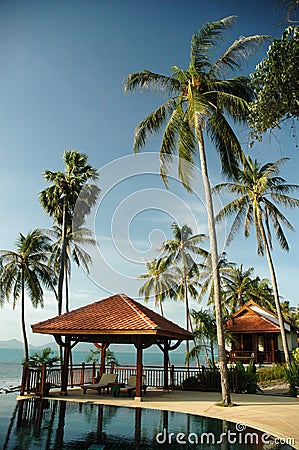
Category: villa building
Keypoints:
(256, 335)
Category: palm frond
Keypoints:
(276, 214)
(226, 143)
(282, 199)
(236, 225)
(205, 39)
(237, 86)
(152, 124)
(240, 49)
(146, 80)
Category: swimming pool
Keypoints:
(51, 424)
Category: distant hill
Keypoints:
(11, 343)
(16, 344)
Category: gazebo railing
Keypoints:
(40, 379)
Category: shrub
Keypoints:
(247, 378)
(295, 354)
(271, 373)
(292, 376)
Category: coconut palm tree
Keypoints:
(240, 287)
(190, 283)
(61, 198)
(187, 287)
(160, 281)
(27, 270)
(259, 190)
(198, 99)
(206, 276)
(181, 250)
(206, 335)
(290, 313)
(76, 239)
(262, 293)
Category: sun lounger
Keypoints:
(106, 380)
(130, 387)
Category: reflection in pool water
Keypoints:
(50, 424)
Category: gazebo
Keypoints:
(119, 320)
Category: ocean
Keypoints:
(11, 362)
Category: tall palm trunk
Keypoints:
(67, 302)
(226, 399)
(62, 259)
(158, 300)
(276, 295)
(187, 310)
(194, 343)
(23, 322)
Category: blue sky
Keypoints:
(62, 71)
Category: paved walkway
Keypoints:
(278, 416)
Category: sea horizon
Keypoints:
(11, 361)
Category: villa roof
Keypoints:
(115, 315)
(254, 318)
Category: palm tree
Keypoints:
(95, 356)
(76, 239)
(160, 280)
(259, 189)
(190, 283)
(262, 293)
(26, 270)
(290, 313)
(180, 251)
(187, 287)
(206, 335)
(61, 198)
(240, 287)
(43, 357)
(198, 99)
(206, 275)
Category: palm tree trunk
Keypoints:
(67, 305)
(276, 296)
(62, 260)
(23, 322)
(226, 399)
(161, 308)
(158, 300)
(187, 310)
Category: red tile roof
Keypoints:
(252, 323)
(252, 317)
(117, 314)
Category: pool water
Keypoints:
(51, 424)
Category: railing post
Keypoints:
(24, 379)
(82, 373)
(71, 376)
(172, 377)
(43, 379)
(93, 370)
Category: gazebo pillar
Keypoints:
(103, 358)
(139, 373)
(166, 362)
(65, 367)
